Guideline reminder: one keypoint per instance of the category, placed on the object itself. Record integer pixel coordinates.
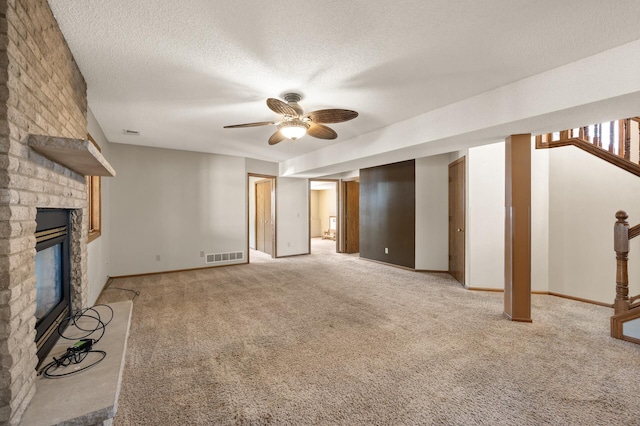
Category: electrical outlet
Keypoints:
(157, 257)
(201, 254)
(289, 244)
(386, 250)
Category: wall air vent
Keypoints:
(224, 257)
(131, 132)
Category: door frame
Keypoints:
(338, 210)
(464, 209)
(343, 212)
(274, 227)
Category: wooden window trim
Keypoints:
(94, 201)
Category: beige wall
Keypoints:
(168, 206)
(584, 194)
(432, 213)
(316, 224)
(326, 207)
(292, 216)
(323, 205)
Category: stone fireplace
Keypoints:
(53, 273)
(42, 92)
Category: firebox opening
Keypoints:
(53, 276)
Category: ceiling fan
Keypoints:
(295, 123)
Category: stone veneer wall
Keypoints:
(41, 92)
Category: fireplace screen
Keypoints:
(53, 277)
(48, 280)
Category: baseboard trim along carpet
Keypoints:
(548, 293)
(146, 274)
(292, 255)
(406, 268)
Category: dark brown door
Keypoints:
(456, 219)
(352, 217)
(264, 236)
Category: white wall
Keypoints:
(432, 212)
(174, 204)
(539, 218)
(585, 193)
(485, 216)
(344, 175)
(261, 167)
(292, 216)
(98, 249)
(574, 197)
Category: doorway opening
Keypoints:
(324, 230)
(261, 226)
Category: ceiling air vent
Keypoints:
(131, 132)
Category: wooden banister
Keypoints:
(634, 231)
(621, 247)
(625, 308)
(616, 149)
(592, 149)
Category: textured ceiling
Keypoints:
(177, 72)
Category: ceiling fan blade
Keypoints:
(277, 137)
(259, 123)
(276, 105)
(321, 132)
(331, 115)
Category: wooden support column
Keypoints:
(517, 265)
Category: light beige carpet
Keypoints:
(332, 339)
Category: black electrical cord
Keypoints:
(82, 313)
(70, 358)
(135, 292)
(78, 352)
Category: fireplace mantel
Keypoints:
(79, 155)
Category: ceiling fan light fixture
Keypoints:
(294, 129)
(294, 123)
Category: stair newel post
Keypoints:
(621, 246)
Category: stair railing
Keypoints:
(623, 304)
(611, 141)
(612, 136)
